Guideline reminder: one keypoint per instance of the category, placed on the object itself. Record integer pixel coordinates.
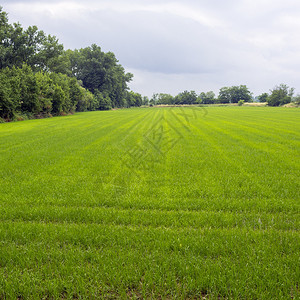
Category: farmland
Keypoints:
(168, 203)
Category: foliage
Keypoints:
(163, 98)
(263, 97)
(103, 101)
(241, 102)
(133, 99)
(23, 91)
(186, 97)
(234, 94)
(100, 71)
(280, 95)
(207, 98)
(31, 46)
(145, 101)
(296, 100)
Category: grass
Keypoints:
(159, 203)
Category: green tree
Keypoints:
(145, 101)
(103, 101)
(100, 71)
(29, 91)
(208, 98)
(44, 83)
(296, 100)
(280, 95)
(186, 97)
(225, 95)
(133, 99)
(263, 97)
(165, 99)
(58, 100)
(30, 46)
(8, 104)
(234, 94)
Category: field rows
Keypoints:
(158, 202)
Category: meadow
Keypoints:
(152, 203)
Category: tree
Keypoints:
(296, 100)
(186, 98)
(280, 95)
(30, 46)
(154, 99)
(58, 99)
(100, 71)
(163, 98)
(225, 95)
(133, 99)
(145, 101)
(207, 98)
(8, 105)
(103, 101)
(263, 97)
(234, 94)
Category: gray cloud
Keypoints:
(174, 45)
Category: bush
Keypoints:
(241, 102)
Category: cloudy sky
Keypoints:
(171, 46)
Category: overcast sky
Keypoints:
(171, 46)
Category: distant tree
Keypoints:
(207, 98)
(280, 95)
(225, 95)
(186, 97)
(263, 97)
(165, 99)
(145, 101)
(296, 100)
(234, 94)
(154, 99)
(133, 99)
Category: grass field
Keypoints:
(158, 203)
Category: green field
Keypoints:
(161, 203)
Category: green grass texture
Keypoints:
(152, 203)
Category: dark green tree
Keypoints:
(103, 101)
(186, 98)
(263, 97)
(165, 99)
(234, 94)
(207, 98)
(100, 71)
(30, 46)
(280, 95)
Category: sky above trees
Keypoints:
(171, 46)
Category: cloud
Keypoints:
(175, 44)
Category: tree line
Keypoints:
(278, 96)
(39, 78)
